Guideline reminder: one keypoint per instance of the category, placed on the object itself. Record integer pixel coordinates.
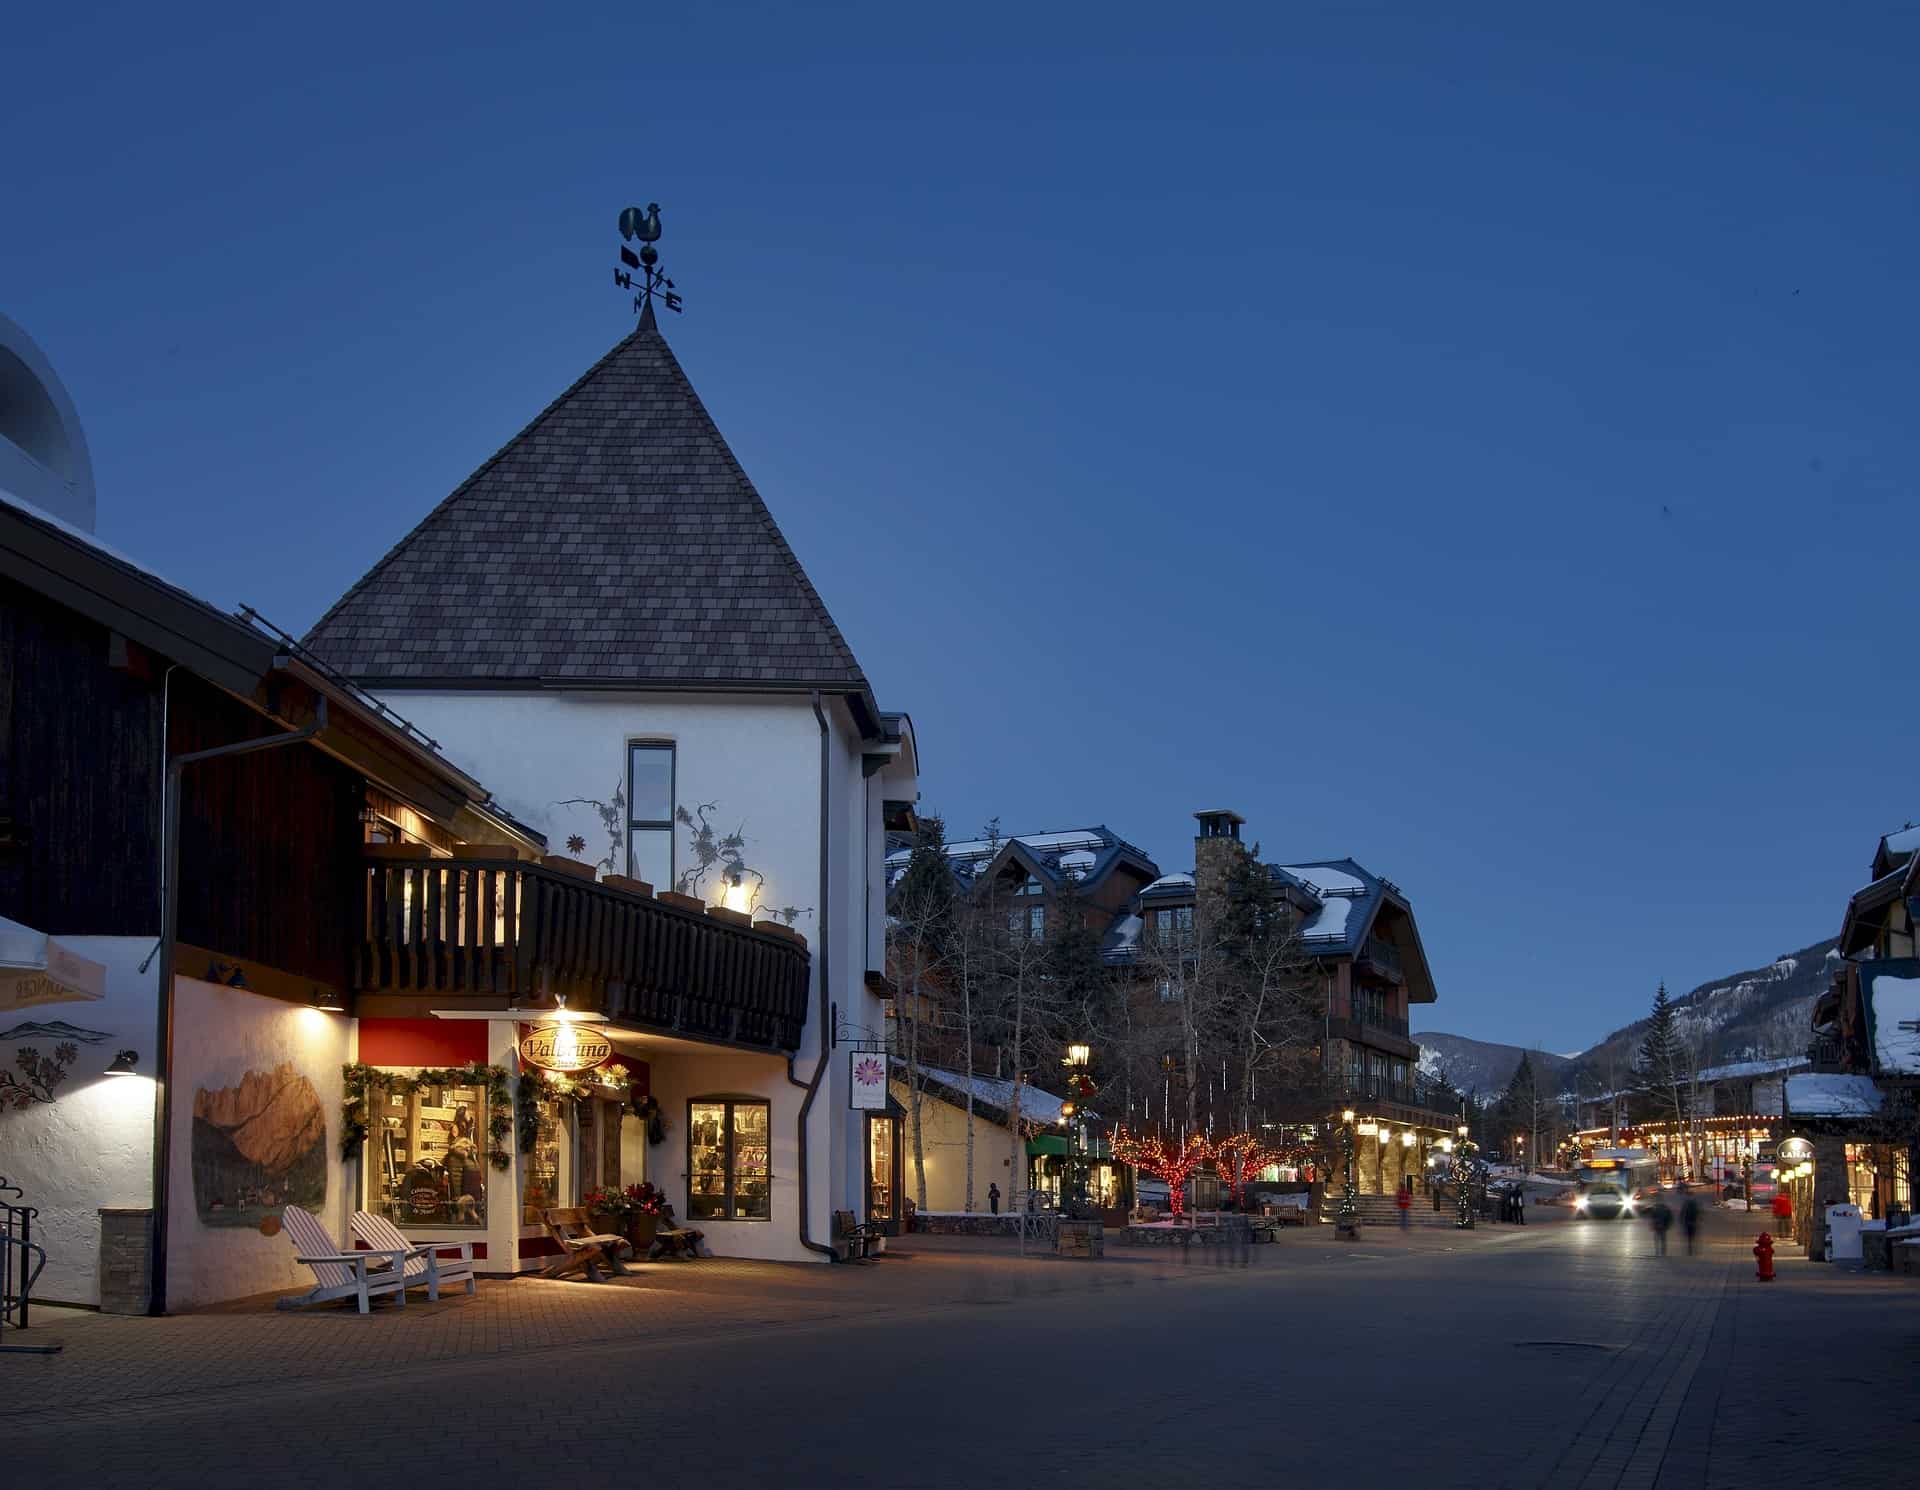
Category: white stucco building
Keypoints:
(606, 624)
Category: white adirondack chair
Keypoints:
(362, 1276)
(424, 1264)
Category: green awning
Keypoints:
(1059, 1143)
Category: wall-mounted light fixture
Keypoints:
(328, 1002)
(124, 1064)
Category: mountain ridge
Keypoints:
(1757, 1013)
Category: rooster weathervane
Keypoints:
(645, 228)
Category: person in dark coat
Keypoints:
(993, 1199)
(1662, 1218)
(1690, 1220)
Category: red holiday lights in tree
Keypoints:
(1241, 1157)
(1167, 1159)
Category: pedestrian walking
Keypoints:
(1690, 1220)
(1520, 1204)
(1661, 1217)
(1782, 1211)
(993, 1199)
(1405, 1201)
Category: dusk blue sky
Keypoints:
(1485, 448)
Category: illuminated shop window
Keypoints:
(543, 1164)
(429, 1156)
(729, 1160)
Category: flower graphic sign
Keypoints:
(867, 1089)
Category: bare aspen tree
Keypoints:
(921, 928)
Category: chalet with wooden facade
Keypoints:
(607, 624)
(1859, 1105)
(1358, 929)
(186, 805)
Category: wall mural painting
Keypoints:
(38, 1077)
(257, 1147)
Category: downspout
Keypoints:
(169, 932)
(812, 1086)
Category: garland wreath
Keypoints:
(363, 1080)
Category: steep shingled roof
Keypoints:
(613, 539)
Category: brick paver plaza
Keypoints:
(1562, 1355)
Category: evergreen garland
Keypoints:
(356, 1117)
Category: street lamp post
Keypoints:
(1079, 1063)
(1347, 1217)
(1462, 1175)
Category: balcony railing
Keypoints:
(498, 927)
(1417, 1094)
(1383, 957)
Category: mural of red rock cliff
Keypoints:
(258, 1146)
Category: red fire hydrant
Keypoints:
(1763, 1255)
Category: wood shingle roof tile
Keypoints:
(614, 539)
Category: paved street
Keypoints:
(1562, 1355)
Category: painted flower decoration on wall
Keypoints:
(868, 1072)
(576, 844)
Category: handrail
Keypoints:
(511, 927)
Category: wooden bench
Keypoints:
(859, 1238)
(582, 1249)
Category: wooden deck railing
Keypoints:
(504, 926)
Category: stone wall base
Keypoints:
(126, 1261)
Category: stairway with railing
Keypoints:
(21, 1260)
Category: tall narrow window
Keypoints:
(1037, 922)
(650, 812)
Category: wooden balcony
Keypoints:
(490, 928)
(1382, 958)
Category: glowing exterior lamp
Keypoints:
(1067, 1110)
(1461, 1130)
(1079, 1055)
(328, 1002)
(1406, 1139)
(124, 1064)
(1347, 1115)
(1446, 1145)
(733, 891)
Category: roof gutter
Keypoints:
(822, 964)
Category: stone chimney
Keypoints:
(1215, 848)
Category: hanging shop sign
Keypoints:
(564, 1047)
(867, 1081)
(1795, 1150)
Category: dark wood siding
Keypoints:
(79, 776)
(270, 844)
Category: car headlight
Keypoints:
(1580, 1204)
(1627, 1209)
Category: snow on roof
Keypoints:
(81, 535)
(1330, 922)
(1821, 1094)
(1327, 881)
(1035, 1105)
(1739, 1069)
(1903, 842)
(986, 848)
(1896, 1002)
(1171, 882)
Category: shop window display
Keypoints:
(729, 1169)
(543, 1162)
(429, 1168)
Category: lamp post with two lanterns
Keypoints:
(1462, 1179)
(1347, 1216)
(1079, 1064)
